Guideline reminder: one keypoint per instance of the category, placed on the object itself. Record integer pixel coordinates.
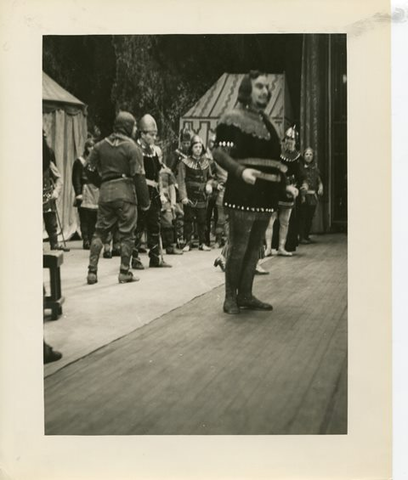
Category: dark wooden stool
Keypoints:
(53, 261)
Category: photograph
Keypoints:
(204, 290)
(195, 234)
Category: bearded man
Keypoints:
(248, 148)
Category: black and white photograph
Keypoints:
(204, 289)
(195, 234)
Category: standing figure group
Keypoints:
(249, 178)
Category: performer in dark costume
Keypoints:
(309, 197)
(195, 185)
(170, 212)
(285, 235)
(52, 186)
(119, 162)
(149, 220)
(87, 208)
(180, 153)
(248, 147)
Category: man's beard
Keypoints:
(261, 105)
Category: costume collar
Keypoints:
(116, 139)
(202, 163)
(248, 121)
(289, 156)
(147, 150)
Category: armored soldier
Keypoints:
(149, 220)
(119, 163)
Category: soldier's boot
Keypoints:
(126, 277)
(96, 247)
(156, 261)
(137, 264)
(92, 277)
(173, 250)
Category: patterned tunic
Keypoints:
(294, 176)
(193, 177)
(251, 140)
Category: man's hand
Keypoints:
(208, 189)
(320, 190)
(249, 175)
(292, 191)
(54, 195)
(185, 201)
(79, 197)
(163, 199)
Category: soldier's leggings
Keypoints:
(124, 215)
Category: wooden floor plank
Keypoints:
(196, 370)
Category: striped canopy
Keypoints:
(52, 92)
(202, 117)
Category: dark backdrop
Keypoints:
(162, 74)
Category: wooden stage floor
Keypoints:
(197, 371)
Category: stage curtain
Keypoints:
(314, 114)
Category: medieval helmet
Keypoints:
(185, 136)
(147, 124)
(292, 133)
(194, 140)
(124, 123)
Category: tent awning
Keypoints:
(223, 95)
(203, 116)
(55, 94)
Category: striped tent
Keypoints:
(202, 118)
(65, 124)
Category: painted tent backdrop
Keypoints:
(203, 117)
(65, 124)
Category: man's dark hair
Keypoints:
(245, 89)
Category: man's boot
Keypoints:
(50, 355)
(230, 306)
(126, 277)
(253, 303)
(158, 263)
(92, 277)
(137, 264)
(156, 260)
(173, 250)
(232, 274)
